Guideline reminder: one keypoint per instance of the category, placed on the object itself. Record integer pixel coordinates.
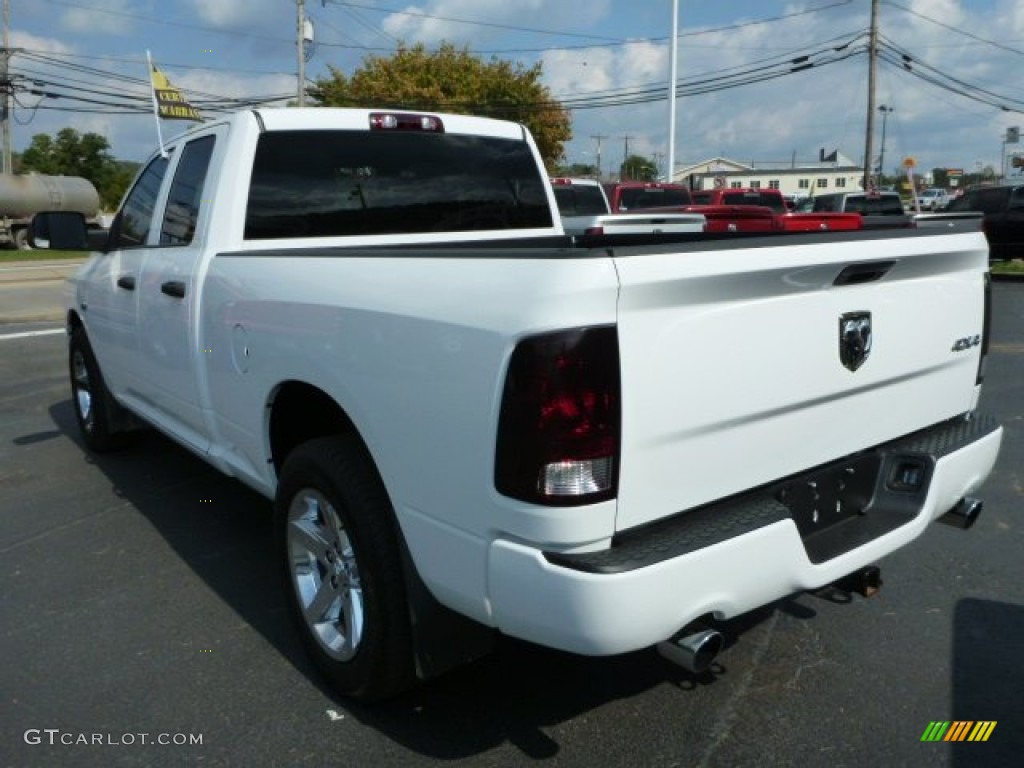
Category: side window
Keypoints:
(186, 193)
(136, 216)
(1017, 198)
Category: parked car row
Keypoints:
(589, 207)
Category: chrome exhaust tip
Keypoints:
(693, 652)
(964, 514)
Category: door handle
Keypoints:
(175, 288)
(857, 274)
(127, 282)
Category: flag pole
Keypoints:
(156, 110)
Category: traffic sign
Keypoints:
(909, 162)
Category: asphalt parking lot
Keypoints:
(140, 606)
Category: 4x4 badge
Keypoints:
(854, 339)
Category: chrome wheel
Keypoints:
(325, 574)
(82, 390)
(339, 555)
(101, 421)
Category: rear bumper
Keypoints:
(727, 559)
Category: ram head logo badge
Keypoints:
(854, 339)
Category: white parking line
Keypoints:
(27, 334)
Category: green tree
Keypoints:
(74, 154)
(453, 80)
(637, 168)
(576, 170)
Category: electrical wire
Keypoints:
(72, 84)
(958, 30)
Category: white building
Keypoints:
(831, 173)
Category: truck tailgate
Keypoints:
(732, 373)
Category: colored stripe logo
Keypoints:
(959, 730)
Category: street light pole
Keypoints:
(301, 91)
(881, 153)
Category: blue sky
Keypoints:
(592, 50)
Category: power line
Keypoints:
(958, 30)
(168, 23)
(474, 22)
(141, 63)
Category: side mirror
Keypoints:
(59, 230)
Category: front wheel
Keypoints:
(92, 401)
(338, 543)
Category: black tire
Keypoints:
(94, 406)
(337, 542)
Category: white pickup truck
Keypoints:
(584, 209)
(470, 423)
(933, 199)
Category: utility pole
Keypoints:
(673, 67)
(301, 43)
(8, 90)
(598, 138)
(872, 67)
(625, 156)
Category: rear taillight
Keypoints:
(559, 427)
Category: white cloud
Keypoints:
(444, 20)
(104, 17)
(38, 44)
(244, 14)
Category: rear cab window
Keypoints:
(580, 199)
(755, 198)
(882, 205)
(327, 183)
(631, 198)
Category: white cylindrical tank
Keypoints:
(22, 196)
